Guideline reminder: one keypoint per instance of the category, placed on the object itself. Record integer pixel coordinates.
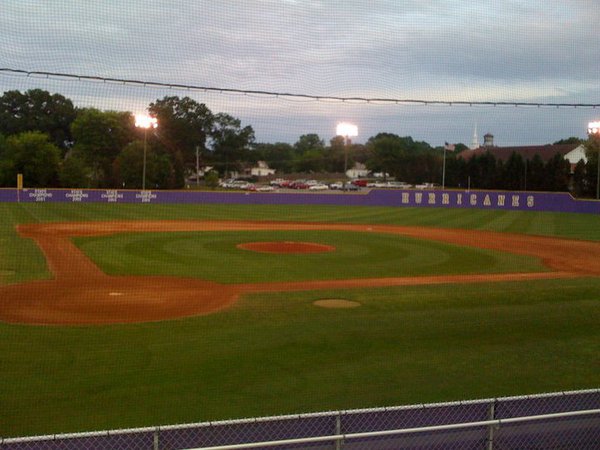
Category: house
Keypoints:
(358, 171)
(571, 152)
(261, 170)
(192, 177)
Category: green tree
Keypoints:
(308, 142)
(513, 173)
(592, 152)
(183, 125)
(230, 142)
(386, 153)
(571, 140)
(337, 154)
(582, 182)
(128, 168)
(536, 174)
(37, 110)
(75, 173)
(211, 179)
(558, 172)
(32, 154)
(483, 171)
(99, 137)
(404, 158)
(279, 156)
(309, 153)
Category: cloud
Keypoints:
(490, 50)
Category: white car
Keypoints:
(398, 185)
(318, 187)
(425, 186)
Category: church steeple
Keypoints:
(475, 142)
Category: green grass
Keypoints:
(214, 256)
(274, 354)
(277, 353)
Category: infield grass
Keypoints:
(278, 353)
(214, 256)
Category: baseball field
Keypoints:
(115, 316)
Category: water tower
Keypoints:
(488, 140)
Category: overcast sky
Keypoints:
(486, 50)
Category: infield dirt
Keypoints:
(81, 294)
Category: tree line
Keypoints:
(54, 144)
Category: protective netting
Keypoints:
(369, 50)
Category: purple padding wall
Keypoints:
(522, 201)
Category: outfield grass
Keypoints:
(278, 353)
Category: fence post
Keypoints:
(338, 431)
(155, 445)
(491, 416)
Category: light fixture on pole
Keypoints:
(144, 121)
(347, 130)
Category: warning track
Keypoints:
(81, 294)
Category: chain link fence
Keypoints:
(566, 420)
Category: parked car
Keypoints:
(279, 182)
(318, 187)
(425, 186)
(398, 185)
(298, 184)
(265, 188)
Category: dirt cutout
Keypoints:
(81, 294)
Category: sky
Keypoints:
(450, 50)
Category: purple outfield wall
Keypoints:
(502, 200)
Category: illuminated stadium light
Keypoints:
(145, 121)
(346, 129)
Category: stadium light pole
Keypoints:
(594, 133)
(144, 121)
(347, 130)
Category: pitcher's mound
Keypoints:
(286, 247)
(336, 303)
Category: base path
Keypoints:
(81, 293)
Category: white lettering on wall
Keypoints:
(112, 195)
(76, 195)
(40, 195)
(146, 196)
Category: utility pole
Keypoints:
(197, 165)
